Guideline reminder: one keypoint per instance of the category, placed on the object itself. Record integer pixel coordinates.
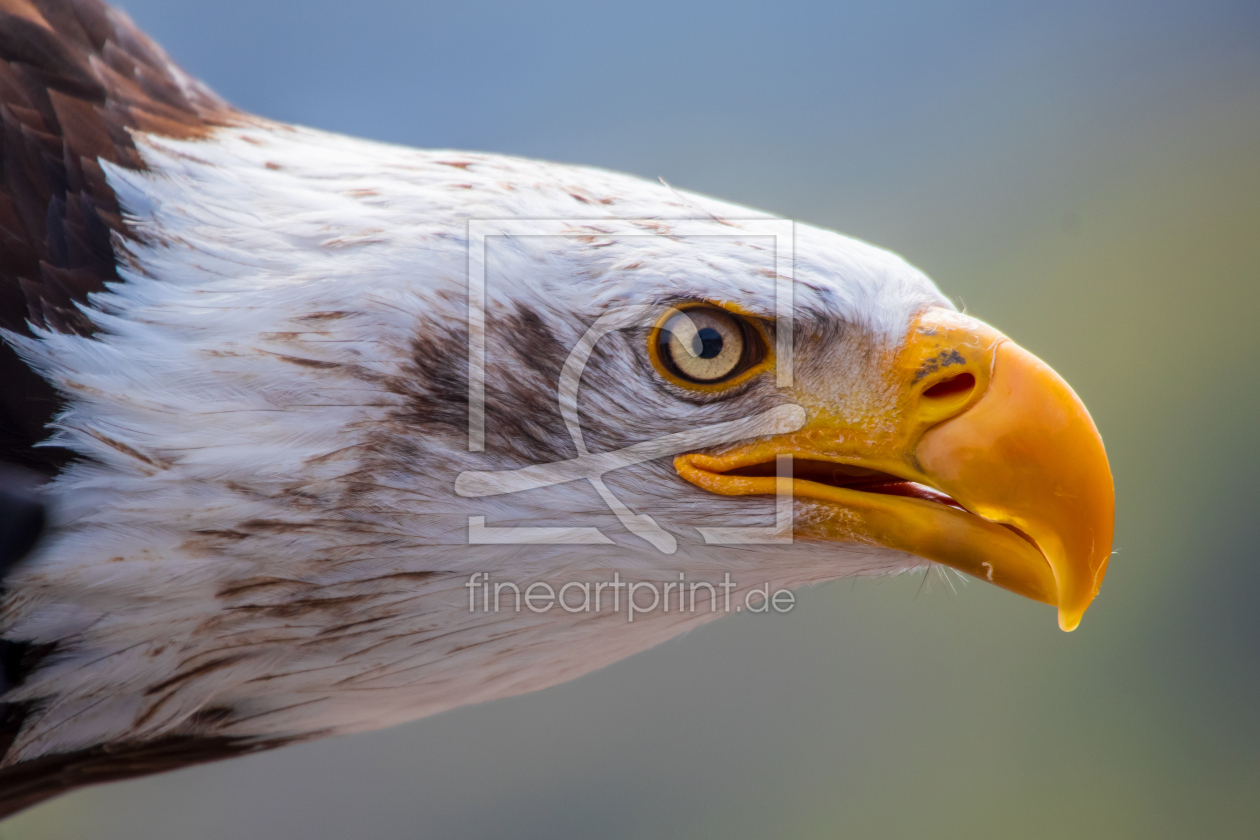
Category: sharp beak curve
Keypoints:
(983, 460)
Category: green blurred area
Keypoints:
(1125, 251)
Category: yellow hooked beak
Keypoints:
(983, 459)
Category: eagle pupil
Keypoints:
(707, 343)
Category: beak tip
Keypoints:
(1069, 620)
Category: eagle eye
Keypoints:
(705, 345)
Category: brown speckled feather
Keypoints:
(75, 77)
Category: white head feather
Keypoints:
(266, 541)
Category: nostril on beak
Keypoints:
(955, 386)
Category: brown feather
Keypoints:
(75, 78)
(31, 782)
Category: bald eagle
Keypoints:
(316, 414)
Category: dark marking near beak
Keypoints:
(944, 359)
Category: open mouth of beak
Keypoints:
(846, 484)
(806, 471)
(813, 478)
(856, 479)
(863, 505)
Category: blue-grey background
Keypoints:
(1086, 176)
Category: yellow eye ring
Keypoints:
(707, 348)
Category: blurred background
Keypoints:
(1084, 175)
